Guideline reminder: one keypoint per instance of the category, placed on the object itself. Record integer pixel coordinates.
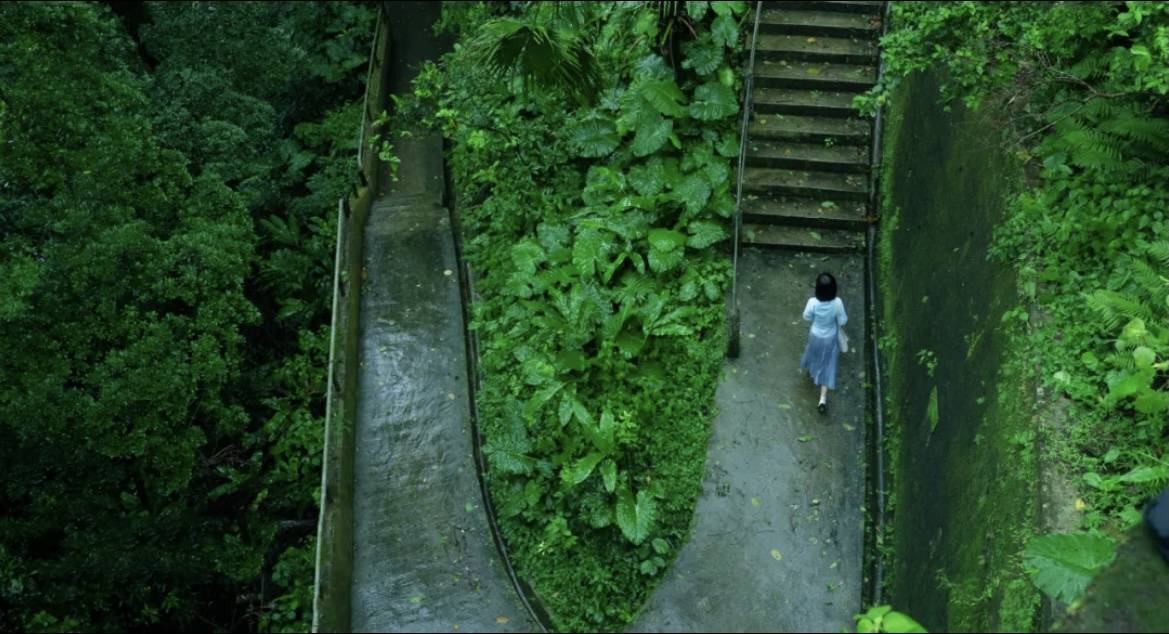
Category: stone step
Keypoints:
(803, 238)
(809, 48)
(870, 8)
(814, 75)
(829, 131)
(804, 212)
(812, 184)
(808, 156)
(786, 21)
(817, 103)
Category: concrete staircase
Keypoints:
(806, 182)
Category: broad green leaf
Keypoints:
(630, 342)
(693, 192)
(635, 112)
(1062, 564)
(725, 7)
(711, 290)
(580, 470)
(527, 254)
(582, 414)
(725, 30)
(1147, 473)
(635, 516)
(603, 185)
(1152, 402)
(570, 360)
(728, 144)
(665, 96)
(666, 239)
(609, 474)
(606, 432)
(712, 101)
(722, 202)
(1134, 329)
(537, 370)
(651, 136)
(696, 9)
(540, 398)
(702, 55)
(898, 622)
(1144, 356)
(564, 412)
(717, 171)
(646, 180)
(1095, 481)
(704, 234)
(587, 252)
(660, 546)
(662, 261)
(647, 24)
(1130, 384)
(595, 137)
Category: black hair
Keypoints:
(826, 287)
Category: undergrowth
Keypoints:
(595, 193)
(1082, 89)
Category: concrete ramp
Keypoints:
(424, 559)
(777, 539)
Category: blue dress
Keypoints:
(823, 349)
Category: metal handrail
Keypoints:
(874, 183)
(365, 119)
(748, 85)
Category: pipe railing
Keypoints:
(748, 88)
(334, 537)
(879, 431)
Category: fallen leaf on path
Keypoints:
(804, 438)
(754, 501)
(776, 555)
(502, 619)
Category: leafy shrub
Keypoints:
(594, 235)
(1082, 89)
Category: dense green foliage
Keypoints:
(883, 618)
(1082, 89)
(166, 234)
(593, 233)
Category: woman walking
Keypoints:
(826, 312)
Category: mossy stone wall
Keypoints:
(960, 451)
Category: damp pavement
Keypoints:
(776, 539)
(424, 558)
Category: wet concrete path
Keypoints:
(424, 559)
(776, 543)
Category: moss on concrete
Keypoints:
(1128, 595)
(962, 487)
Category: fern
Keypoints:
(537, 54)
(1114, 309)
(1101, 134)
